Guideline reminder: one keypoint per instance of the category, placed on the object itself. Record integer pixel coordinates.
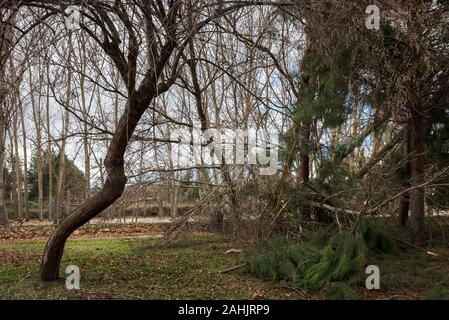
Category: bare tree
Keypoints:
(166, 36)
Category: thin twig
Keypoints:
(240, 266)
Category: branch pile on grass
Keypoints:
(323, 258)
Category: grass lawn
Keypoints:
(123, 268)
(118, 268)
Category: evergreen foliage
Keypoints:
(341, 291)
(320, 259)
(74, 177)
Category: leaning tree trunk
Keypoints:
(112, 190)
(417, 177)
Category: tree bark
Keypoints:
(49, 153)
(61, 172)
(85, 110)
(7, 30)
(304, 158)
(404, 204)
(3, 212)
(3, 124)
(112, 190)
(65, 130)
(38, 125)
(16, 171)
(25, 166)
(417, 176)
